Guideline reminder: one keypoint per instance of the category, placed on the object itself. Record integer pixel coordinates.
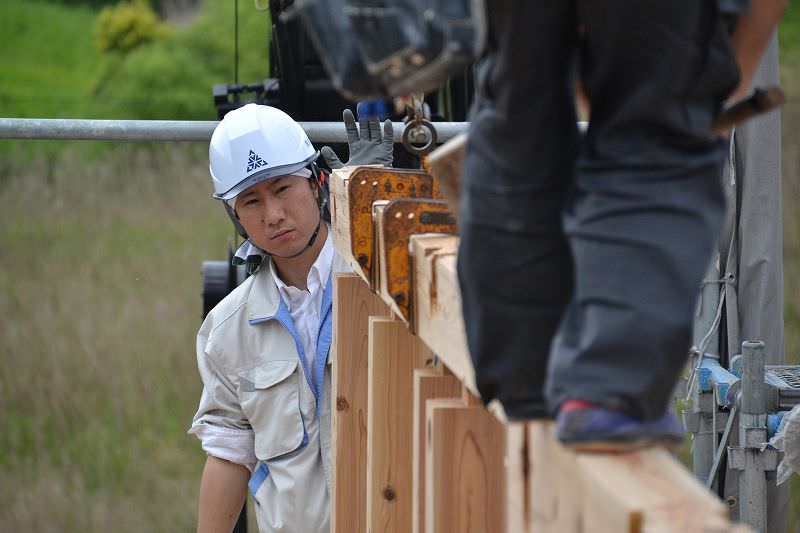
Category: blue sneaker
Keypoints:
(585, 427)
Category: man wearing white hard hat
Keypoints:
(262, 352)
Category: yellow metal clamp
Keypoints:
(368, 185)
(402, 218)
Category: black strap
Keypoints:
(309, 245)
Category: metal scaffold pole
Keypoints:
(173, 130)
(752, 439)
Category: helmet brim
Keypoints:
(267, 174)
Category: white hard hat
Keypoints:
(255, 143)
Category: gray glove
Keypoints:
(366, 144)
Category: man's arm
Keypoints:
(222, 493)
(750, 38)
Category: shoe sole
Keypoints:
(616, 447)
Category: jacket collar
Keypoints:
(264, 299)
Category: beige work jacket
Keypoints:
(257, 392)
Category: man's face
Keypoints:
(280, 214)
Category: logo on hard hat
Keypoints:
(254, 162)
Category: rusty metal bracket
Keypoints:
(402, 218)
(369, 184)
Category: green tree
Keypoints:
(127, 25)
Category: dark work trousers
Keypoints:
(581, 259)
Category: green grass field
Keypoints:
(100, 272)
(100, 280)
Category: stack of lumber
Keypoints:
(415, 450)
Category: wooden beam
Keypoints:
(465, 476)
(428, 384)
(648, 490)
(353, 304)
(645, 490)
(394, 353)
(445, 163)
(437, 303)
(340, 217)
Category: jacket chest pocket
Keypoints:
(272, 405)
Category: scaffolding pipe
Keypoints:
(753, 437)
(704, 438)
(173, 130)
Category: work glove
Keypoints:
(366, 144)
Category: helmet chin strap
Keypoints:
(306, 247)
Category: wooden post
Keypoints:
(428, 384)
(555, 486)
(379, 268)
(517, 483)
(394, 353)
(465, 476)
(353, 305)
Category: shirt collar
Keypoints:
(317, 277)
